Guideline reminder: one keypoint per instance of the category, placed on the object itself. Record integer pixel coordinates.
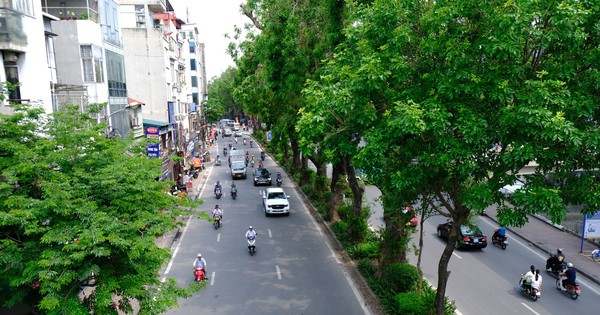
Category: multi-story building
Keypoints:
(90, 65)
(26, 48)
(155, 67)
(194, 91)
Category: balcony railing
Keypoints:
(73, 13)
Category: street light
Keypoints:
(110, 131)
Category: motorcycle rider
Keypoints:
(217, 187)
(500, 234)
(200, 262)
(225, 152)
(262, 155)
(251, 143)
(569, 276)
(250, 233)
(252, 160)
(244, 141)
(528, 278)
(279, 178)
(536, 281)
(233, 187)
(555, 260)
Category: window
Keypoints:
(192, 48)
(116, 74)
(23, 6)
(194, 81)
(92, 63)
(193, 64)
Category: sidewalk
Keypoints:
(542, 234)
(168, 239)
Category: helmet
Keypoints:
(216, 206)
(570, 265)
(199, 255)
(250, 227)
(559, 250)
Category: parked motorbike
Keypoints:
(534, 294)
(193, 172)
(555, 267)
(199, 274)
(233, 193)
(252, 245)
(572, 290)
(500, 241)
(218, 193)
(177, 189)
(217, 219)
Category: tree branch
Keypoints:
(247, 12)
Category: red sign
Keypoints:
(152, 130)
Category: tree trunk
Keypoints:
(420, 288)
(393, 244)
(305, 175)
(296, 164)
(321, 170)
(336, 187)
(354, 229)
(443, 272)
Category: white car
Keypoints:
(275, 201)
(509, 190)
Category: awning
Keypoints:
(156, 123)
(133, 102)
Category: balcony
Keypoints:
(12, 35)
(74, 13)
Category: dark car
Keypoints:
(262, 177)
(470, 235)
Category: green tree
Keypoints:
(221, 98)
(74, 204)
(456, 78)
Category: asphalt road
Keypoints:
(294, 270)
(485, 281)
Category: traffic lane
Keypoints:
(478, 275)
(228, 258)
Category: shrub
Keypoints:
(413, 304)
(366, 268)
(364, 250)
(340, 229)
(401, 277)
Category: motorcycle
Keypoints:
(572, 290)
(252, 245)
(199, 274)
(534, 294)
(251, 143)
(218, 193)
(555, 267)
(500, 241)
(178, 189)
(193, 172)
(244, 141)
(218, 162)
(217, 219)
(262, 155)
(233, 193)
(279, 181)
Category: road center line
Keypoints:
(529, 308)
(212, 278)
(218, 237)
(455, 254)
(278, 272)
(270, 236)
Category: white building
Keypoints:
(26, 54)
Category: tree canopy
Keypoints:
(78, 209)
